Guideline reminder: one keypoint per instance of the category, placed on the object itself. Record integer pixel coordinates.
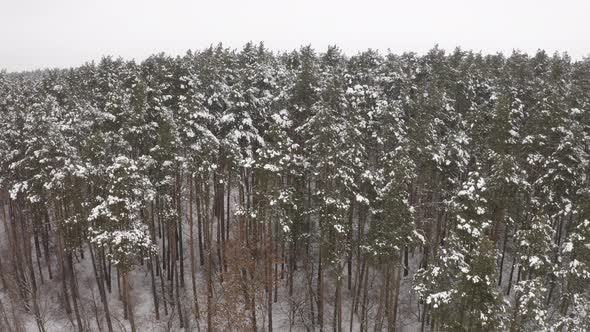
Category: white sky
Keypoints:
(64, 33)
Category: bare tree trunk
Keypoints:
(199, 227)
(221, 229)
(389, 281)
(18, 255)
(359, 287)
(178, 285)
(174, 277)
(514, 261)
(276, 265)
(107, 271)
(320, 291)
(253, 312)
(192, 249)
(350, 236)
(406, 262)
(2, 278)
(217, 224)
(379, 319)
(209, 262)
(74, 288)
(45, 239)
(309, 273)
(128, 301)
(269, 253)
(227, 218)
(151, 263)
(98, 274)
(64, 275)
(38, 251)
(398, 280)
(354, 303)
(249, 304)
(159, 266)
(29, 260)
(505, 241)
(338, 305)
(364, 304)
(178, 230)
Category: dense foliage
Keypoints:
(447, 192)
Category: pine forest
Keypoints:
(255, 190)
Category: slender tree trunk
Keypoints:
(320, 291)
(360, 283)
(514, 263)
(209, 262)
(162, 287)
(120, 294)
(389, 281)
(74, 288)
(128, 301)
(364, 304)
(107, 271)
(350, 236)
(276, 265)
(269, 285)
(398, 283)
(150, 263)
(338, 305)
(45, 239)
(20, 274)
(174, 277)
(505, 241)
(248, 303)
(221, 219)
(406, 263)
(178, 295)
(64, 275)
(38, 251)
(227, 218)
(192, 249)
(200, 229)
(98, 274)
(180, 252)
(309, 271)
(379, 319)
(29, 259)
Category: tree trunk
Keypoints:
(505, 241)
(320, 292)
(397, 275)
(364, 304)
(151, 263)
(199, 226)
(64, 276)
(269, 253)
(192, 249)
(75, 295)
(29, 259)
(98, 275)
(45, 239)
(128, 301)
(209, 262)
(338, 305)
(350, 236)
(178, 230)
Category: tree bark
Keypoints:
(192, 249)
(128, 301)
(98, 274)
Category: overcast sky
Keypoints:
(64, 33)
